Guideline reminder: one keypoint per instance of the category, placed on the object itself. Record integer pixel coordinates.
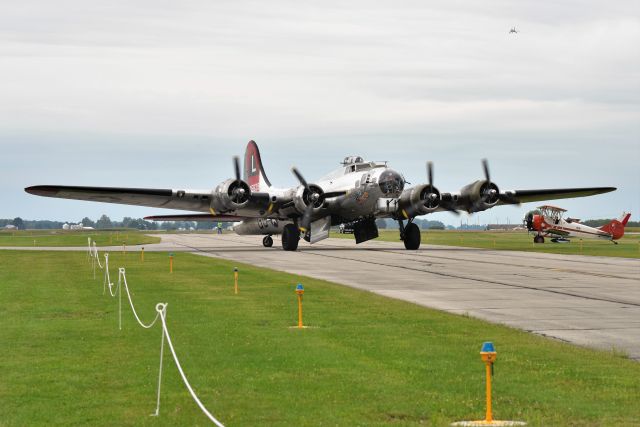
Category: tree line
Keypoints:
(104, 222)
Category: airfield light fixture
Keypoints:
(488, 355)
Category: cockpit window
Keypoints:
(363, 167)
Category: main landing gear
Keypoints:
(538, 239)
(410, 235)
(290, 237)
(267, 242)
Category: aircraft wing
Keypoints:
(192, 200)
(525, 196)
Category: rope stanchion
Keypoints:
(161, 310)
(157, 413)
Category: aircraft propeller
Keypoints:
(490, 193)
(238, 192)
(314, 197)
(432, 200)
(528, 222)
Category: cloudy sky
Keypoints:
(162, 94)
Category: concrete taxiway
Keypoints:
(590, 301)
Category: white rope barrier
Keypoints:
(161, 312)
(161, 309)
(107, 279)
(122, 280)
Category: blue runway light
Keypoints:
(487, 347)
(299, 287)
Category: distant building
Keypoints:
(504, 227)
(77, 226)
(10, 227)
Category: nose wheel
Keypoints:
(267, 242)
(538, 239)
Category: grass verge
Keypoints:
(627, 247)
(367, 360)
(44, 238)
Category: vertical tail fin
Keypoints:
(253, 171)
(616, 227)
(624, 219)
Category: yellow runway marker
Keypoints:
(300, 291)
(235, 279)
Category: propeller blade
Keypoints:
(300, 178)
(305, 223)
(430, 173)
(485, 166)
(236, 164)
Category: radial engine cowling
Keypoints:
(230, 195)
(480, 195)
(420, 200)
(304, 197)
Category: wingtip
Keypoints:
(41, 190)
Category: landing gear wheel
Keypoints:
(538, 239)
(267, 242)
(411, 237)
(290, 237)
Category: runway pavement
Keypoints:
(590, 301)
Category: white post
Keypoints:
(120, 274)
(157, 413)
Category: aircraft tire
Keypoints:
(412, 237)
(290, 237)
(267, 242)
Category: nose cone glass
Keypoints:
(391, 182)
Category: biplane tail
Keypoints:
(616, 226)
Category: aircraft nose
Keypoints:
(537, 222)
(391, 182)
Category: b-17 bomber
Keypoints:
(355, 194)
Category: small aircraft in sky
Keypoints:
(550, 223)
(513, 30)
(355, 194)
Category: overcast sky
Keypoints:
(162, 94)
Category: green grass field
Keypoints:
(627, 247)
(74, 238)
(367, 360)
